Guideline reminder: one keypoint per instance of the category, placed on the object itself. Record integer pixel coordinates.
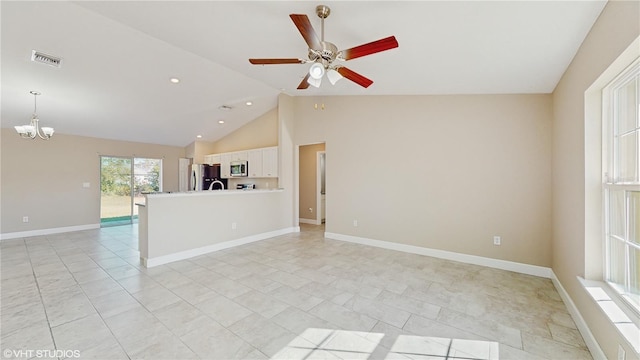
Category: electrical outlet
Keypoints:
(621, 353)
(234, 226)
(355, 222)
(25, 219)
(497, 240)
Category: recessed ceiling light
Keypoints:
(174, 80)
(220, 121)
(249, 103)
(199, 136)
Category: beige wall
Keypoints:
(575, 177)
(261, 132)
(308, 181)
(43, 179)
(197, 150)
(441, 172)
(287, 157)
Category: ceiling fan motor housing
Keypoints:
(326, 55)
(329, 51)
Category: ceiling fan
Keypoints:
(323, 53)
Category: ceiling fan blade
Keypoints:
(354, 76)
(304, 84)
(275, 61)
(370, 48)
(306, 30)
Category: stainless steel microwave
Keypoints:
(239, 168)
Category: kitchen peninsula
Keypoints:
(177, 226)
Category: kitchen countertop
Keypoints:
(213, 192)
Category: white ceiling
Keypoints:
(118, 57)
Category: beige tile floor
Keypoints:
(297, 296)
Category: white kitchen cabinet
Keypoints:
(212, 159)
(270, 162)
(225, 165)
(255, 162)
(238, 156)
(263, 162)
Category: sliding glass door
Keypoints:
(123, 181)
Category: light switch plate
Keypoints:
(86, 185)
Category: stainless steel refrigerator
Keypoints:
(206, 177)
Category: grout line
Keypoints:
(44, 308)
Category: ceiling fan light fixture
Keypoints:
(316, 71)
(314, 82)
(333, 76)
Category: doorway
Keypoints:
(123, 182)
(311, 180)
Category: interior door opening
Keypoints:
(123, 182)
(311, 184)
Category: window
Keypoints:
(621, 164)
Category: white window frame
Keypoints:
(610, 182)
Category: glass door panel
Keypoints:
(116, 206)
(146, 179)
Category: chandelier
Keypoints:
(30, 131)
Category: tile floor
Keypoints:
(297, 296)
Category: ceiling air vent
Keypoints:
(42, 58)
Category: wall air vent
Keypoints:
(42, 58)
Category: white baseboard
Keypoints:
(23, 234)
(182, 255)
(309, 221)
(581, 324)
(448, 255)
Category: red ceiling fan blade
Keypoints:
(275, 61)
(304, 84)
(305, 28)
(370, 48)
(354, 76)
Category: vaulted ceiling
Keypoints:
(118, 57)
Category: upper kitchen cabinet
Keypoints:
(225, 168)
(213, 159)
(270, 162)
(239, 156)
(262, 163)
(255, 162)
